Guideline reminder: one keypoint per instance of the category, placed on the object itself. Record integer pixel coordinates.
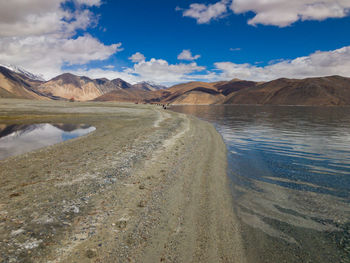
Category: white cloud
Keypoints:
(160, 71)
(110, 74)
(89, 2)
(39, 17)
(155, 70)
(318, 64)
(137, 57)
(205, 13)
(285, 12)
(46, 55)
(273, 12)
(235, 49)
(109, 67)
(187, 55)
(39, 35)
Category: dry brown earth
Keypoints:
(147, 186)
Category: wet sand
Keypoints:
(147, 186)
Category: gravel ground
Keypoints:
(148, 185)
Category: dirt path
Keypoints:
(146, 186)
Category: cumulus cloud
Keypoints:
(39, 35)
(205, 13)
(46, 55)
(96, 73)
(39, 17)
(89, 2)
(276, 12)
(318, 64)
(160, 71)
(137, 57)
(285, 12)
(109, 67)
(155, 70)
(187, 55)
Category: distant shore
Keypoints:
(149, 185)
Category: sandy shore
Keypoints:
(147, 186)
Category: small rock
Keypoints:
(141, 186)
(142, 203)
(75, 209)
(17, 232)
(91, 253)
(121, 223)
(14, 195)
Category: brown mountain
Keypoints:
(126, 95)
(228, 87)
(188, 93)
(15, 85)
(333, 90)
(147, 86)
(69, 86)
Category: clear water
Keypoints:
(290, 171)
(19, 139)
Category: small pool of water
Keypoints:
(17, 139)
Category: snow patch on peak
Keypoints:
(153, 85)
(24, 72)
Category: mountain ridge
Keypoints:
(327, 91)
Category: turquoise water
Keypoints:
(290, 174)
(19, 139)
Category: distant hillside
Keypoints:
(23, 72)
(334, 90)
(148, 86)
(228, 87)
(188, 93)
(69, 86)
(16, 85)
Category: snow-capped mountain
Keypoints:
(148, 85)
(24, 72)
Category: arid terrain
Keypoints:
(322, 91)
(148, 185)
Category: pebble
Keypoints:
(142, 203)
(91, 253)
(121, 224)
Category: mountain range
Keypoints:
(332, 90)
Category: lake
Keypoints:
(290, 174)
(17, 139)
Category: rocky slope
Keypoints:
(148, 86)
(24, 72)
(333, 90)
(70, 86)
(16, 85)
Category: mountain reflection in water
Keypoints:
(19, 139)
(290, 173)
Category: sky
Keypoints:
(170, 41)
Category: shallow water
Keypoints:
(19, 139)
(290, 171)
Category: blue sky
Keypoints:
(247, 39)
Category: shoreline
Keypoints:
(147, 186)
